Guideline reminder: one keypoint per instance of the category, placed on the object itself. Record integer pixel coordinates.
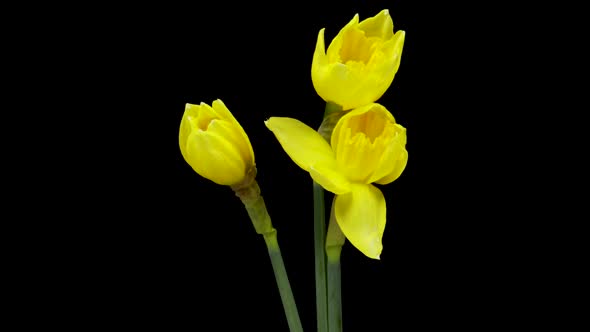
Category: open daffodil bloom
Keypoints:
(367, 146)
(360, 63)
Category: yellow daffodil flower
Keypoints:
(360, 63)
(367, 146)
(214, 144)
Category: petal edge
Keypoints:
(305, 146)
(361, 214)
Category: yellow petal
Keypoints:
(353, 85)
(205, 114)
(340, 84)
(304, 145)
(233, 135)
(319, 65)
(331, 79)
(380, 26)
(186, 127)
(392, 53)
(400, 165)
(361, 217)
(389, 160)
(224, 113)
(336, 44)
(319, 55)
(330, 178)
(394, 157)
(215, 158)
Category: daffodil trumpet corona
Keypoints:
(360, 62)
(216, 146)
(367, 146)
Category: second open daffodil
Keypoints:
(360, 63)
(367, 146)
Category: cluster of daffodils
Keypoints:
(362, 146)
(367, 145)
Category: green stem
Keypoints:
(332, 114)
(283, 282)
(319, 236)
(249, 193)
(334, 241)
(334, 295)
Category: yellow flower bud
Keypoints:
(360, 63)
(369, 145)
(214, 144)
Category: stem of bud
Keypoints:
(249, 193)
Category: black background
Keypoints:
(145, 242)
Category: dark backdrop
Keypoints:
(146, 242)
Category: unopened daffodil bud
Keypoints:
(367, 146)
(214, 144)
(360, 63)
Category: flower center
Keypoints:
(369, 124)
(357, 47)
(203, 121)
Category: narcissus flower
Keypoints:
(214, 144)
(367, 146)
(360, 63)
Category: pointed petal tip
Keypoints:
(372, 251)
(267, 123)
(320, 44)
(376, 254)
(400, 35)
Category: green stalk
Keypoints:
(334, 295)
(249, 193)
(283, 282)
(319, 236)
(332, 114)
(334, 242)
